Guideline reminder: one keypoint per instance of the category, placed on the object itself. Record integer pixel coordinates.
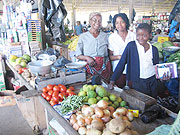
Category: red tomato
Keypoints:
(44, 95)
(52, 103)
(65, 94)
(45, 90)
(56, 99)
(61, 96)
(50, 92)
(49, 87)
(56, 88)
(71, 93)
(55, 94)
(71, 88)
(60, 85)
(60, 100)
(68, 91)
(48, 98)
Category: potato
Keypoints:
(107, 132)
(126, 132)
(117, 125)
(93, 132)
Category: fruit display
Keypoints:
(95, 93)
(19, 62)
(55, 94)
(73, 44)
(102, 119)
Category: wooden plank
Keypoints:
(68, 128)
(20, 77)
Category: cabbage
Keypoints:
(158, 46)
(167, 44)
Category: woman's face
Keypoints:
(120, 24)
(95, 22)
(142, 36)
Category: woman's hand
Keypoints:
(111, 85)
(90, 61)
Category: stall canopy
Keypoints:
(115, 5)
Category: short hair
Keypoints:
(94, 14)
(144, 26)
(124, 17)
(158, 31)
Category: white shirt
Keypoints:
(117, 45)
(147, 69)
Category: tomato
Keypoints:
(71, 88)
(55, 98)
(60, 85)
(68, 91)
(65, 94)
(71, 93)
(55, 94)
(60, 100)
(61, 95)
(48, 98)
(62, 88)
(45, 90)
(49, 87)
(52, 103)
(44, 95)
(50, 92)
(56, 88)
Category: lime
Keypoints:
(82, 93)
(91, 94)
(116, 103)
(123, 103)
(86, 99)
(92, 101)
(105, 98)
(112, 97)
(98, 98)
(119, 99)
(113, 105)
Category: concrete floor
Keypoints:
(12, 122)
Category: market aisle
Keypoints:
(12, 122)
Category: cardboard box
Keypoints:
(6, 98)
(32, 111)
(163, 39)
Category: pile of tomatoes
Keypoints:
(56, 93)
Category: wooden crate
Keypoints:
(137, 100)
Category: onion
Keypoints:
(105, 118)
(84, 108)
(88, 126)
(111, 109)
(78, 113)
(94, 116)
(125, 118)
(82, 131)
(96, 119)
(81, 122)
(89, 111)
(117, 115)
(76, 126)
(88, 120)
(99, 113)
(122, 110)
(73, 116)
(79, 116)
(102, 104)
(93, 105)
(130, 116)
(72, 121)
(106, 112)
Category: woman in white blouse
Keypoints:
(118, 42)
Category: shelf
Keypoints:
(20, 77)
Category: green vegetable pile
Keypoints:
(175, 57)
(70, 103)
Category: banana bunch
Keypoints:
(73, 44)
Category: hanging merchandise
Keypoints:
(54, 14)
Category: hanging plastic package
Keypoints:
(54, 14)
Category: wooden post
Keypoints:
(43, 45)
(130, 11)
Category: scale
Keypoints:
(62, 75)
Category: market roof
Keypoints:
(140, 6)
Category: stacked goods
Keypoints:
(101, 119)
(95, 93)
(55, 94)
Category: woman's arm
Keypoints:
(88, 59)
(114, 57)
